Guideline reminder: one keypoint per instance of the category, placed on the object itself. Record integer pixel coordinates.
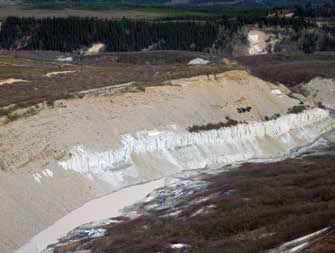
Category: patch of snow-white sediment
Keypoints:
(179, 246)
(276, 92)
(12, 80)
(46, 173)
(56, 73)
(299, 244)
(171, 151)
(95, 49)
(198, 61)
(257, 44)
(64, 59)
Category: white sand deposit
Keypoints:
(301, 243)
(198, 61)
(262, 41)
(56, 73)
(64, 59)
(95, 49)
(12, 80)
(257, 44)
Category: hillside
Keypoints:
(170, 126)
(274, 207)
(106, 130)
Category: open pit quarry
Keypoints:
(57, 164)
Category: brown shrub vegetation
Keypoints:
(257, 207)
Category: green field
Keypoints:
(118, 10)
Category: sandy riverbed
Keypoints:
(97, 209)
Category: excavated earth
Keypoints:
(55, 157)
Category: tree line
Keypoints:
(120, 35)
(71, 33)
(326, 10)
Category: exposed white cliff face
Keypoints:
(148, 155)
(95, 49)
(257, 43)
(261, 42)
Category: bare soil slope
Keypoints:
(31, 146)
(182, 102)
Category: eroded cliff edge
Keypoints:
(62, 157)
